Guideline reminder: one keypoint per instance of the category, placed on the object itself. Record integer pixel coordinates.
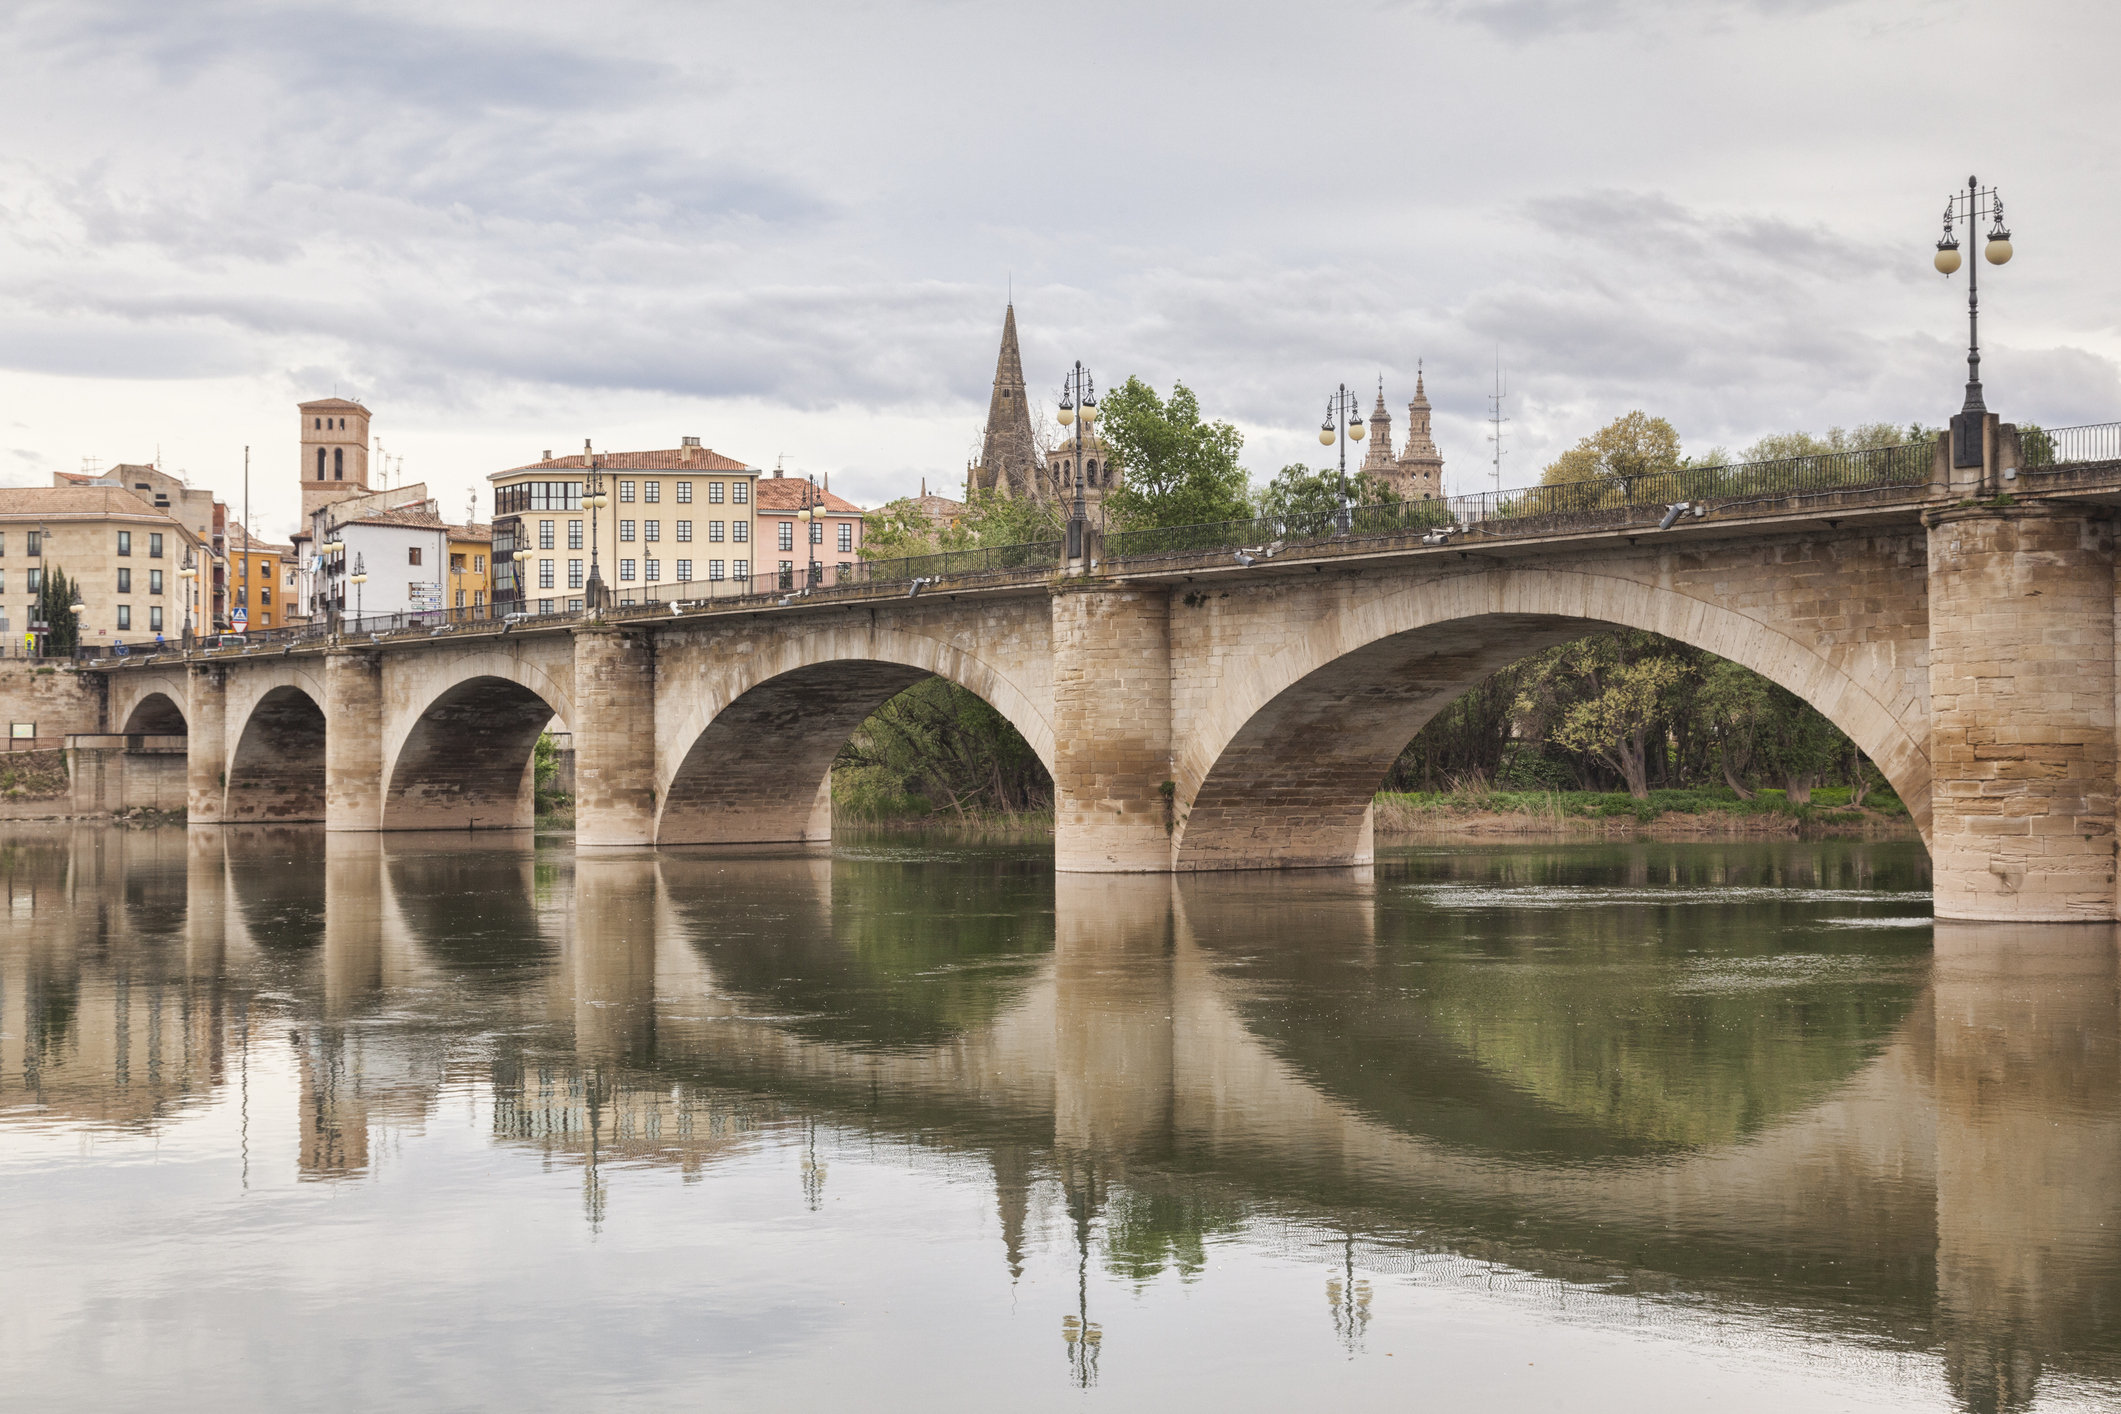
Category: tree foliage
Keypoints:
(937, 748)
(55, 605)
(1634, 445)
(1176, 468)
(1298, 493)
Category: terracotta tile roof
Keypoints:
(335, 404)
(405, 515)
(474, 533)
(675, 459)
(76, 502)
(239, 539)
(786, 493)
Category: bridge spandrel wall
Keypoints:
(1293, 691)
(2022, 691)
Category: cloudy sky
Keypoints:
(790, 228)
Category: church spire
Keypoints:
(1419, 468)
(1008, 455)
(1378, 459)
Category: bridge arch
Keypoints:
(751, 756)
(155, 713)
(1280, 771)
(463, 759)
(276, 771)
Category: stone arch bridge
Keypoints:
(1200, 713)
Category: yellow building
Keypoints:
(470, 581)
(257, 597)
(680, 521)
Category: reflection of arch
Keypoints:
(1282, 774)
(754, 762)
(155, 715)
(466, 761)
(277, 769)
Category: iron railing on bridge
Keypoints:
(2044, 447)
(1552, 509)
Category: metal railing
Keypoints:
(2062, 446)
(843, 576)
(1553, 509)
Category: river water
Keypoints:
(289, 1122)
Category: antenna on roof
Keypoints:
(1495, 417)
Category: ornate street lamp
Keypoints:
(78, 607)
(188, 572)
(1341, 408)
(1078, 408)
(595, 500)
(811, 513)
(358, 578)
(1970, 207)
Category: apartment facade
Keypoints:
(470, 581)
(259, 580)
(195, 507)
(801, 550)
(680, 517)
(122, 553)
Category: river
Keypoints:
(290, 1121)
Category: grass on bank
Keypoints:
(1829, 805)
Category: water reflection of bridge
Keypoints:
(1941, 1170)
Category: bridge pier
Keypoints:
(353, 741)
(1112, 730)
(2021, 615)
(614, 735)
(206, 744)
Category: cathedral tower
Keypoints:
(1008, 460)
(334, 463)
(1377, 461)
(1418, 473)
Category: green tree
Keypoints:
(992, 518)
(1302, 495)
(1862, 437)
(1798, 744)
(1634, 445)
(937, 747)
(897, 529)
(1176, 469)
(55, 605)
(1608, 697)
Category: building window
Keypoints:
(684, 493)
(544, 574)
(243, 594)
(787, 574)
(460, 598)
(817, 532)
(684, 571)
(154, 618)
(651, 571)
(685, 532)
(320, 463)
(740, 569)
(154, 545)
(714, 531)
(625, 490)
(846, 538)
(740, 491)
(787, 534)
(574, 574)
(651, 530)
(338, 463)
(740, 530)
(626, 569)
(36, 584)
(625, 530)
(456, 564)
(544, 606)
(154, 581)
(265, 594)
(478, 598)
(714, 493)
(412, 554)
(36, 541)
(574, 535)
(651, 490)
(714, 569)
(125, 542)
(478, 564)
(125, 616)
(574, 606)
(545, 535)
(125, 581)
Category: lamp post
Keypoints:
(1078, 407)
(1342, 407)
(188, 572)
(358, 578)
(78, 607)
(596, 501)
(1977, 203)
(809, 514)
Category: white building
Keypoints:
(404, 553)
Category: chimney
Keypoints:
(687, 446)
(546, 455)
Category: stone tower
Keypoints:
(1008, 459)
(334, 463)
(1417, 474)
(1377, 461)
